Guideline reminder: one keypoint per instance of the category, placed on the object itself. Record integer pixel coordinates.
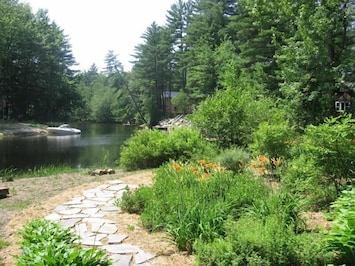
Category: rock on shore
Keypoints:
(21, 129)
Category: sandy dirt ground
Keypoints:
(32, 198)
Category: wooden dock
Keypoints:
(4, 191)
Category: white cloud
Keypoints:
(94, 27)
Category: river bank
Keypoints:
(22, 129)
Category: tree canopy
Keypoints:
(36, 81)
(297, 54)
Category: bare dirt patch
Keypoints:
(32, 198)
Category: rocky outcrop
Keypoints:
(177, 121)
(21, 129)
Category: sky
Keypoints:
(96, 26)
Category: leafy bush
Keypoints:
(304, 179)
(47, 243)
(134, 201)
(331, 146)
(193, 200)
(341, 238)
(273, 139)
(151, 148)
(231, 116)
(234, 159)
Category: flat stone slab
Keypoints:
(94, 240)
(121, 260)
(98, 220)
(104, 228)
(115, 182)
(117, 187)
(122, 249)
(69, 211)
(75, 216)
(90, 210)
(69, 222)
(53, 217)
(81, 229)
(116, 239)
(142, 257)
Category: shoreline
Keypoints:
(22, 130)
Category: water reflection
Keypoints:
(62, 143)
(99, 144)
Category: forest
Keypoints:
(297, 56)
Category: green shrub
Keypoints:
(331, 146)
(231, 116)
(134, 201)
(151, 148)
(341, 238)
(273, 139)
(234, 159)
(47, 243)
(304, 179)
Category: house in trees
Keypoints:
(345, 95)
(343, 103)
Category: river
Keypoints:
(97, 146)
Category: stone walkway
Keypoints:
(86, 216)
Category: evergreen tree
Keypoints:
(152, 69)
(35, 77)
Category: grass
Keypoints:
(19, 205)
(10, 173)
(3, 244)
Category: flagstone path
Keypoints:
(85, 215)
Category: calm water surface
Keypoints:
(98, 145)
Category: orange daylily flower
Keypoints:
(263, 159)
(177, 166)
(201, 162)
(276, 162)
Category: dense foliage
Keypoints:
(298, 55)
(48, 243)
(246, 216)
(341, 238)
(36, 81)
(225, 218)
(151, 148)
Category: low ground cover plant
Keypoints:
(47, 243)
(151, 148)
